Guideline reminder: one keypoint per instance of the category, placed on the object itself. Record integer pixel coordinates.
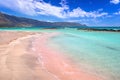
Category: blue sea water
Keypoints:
(96, 52)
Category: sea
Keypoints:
(94, 51)
(98, 52)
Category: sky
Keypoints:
(89, 12)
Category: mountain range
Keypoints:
(7, 20)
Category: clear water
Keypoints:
(96, 52)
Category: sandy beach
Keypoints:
(27, 56)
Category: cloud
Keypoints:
(24, 6)
(115, 1)
(39, 7)
(78, 12)
(117, 13)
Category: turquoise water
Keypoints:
(96, 52)
(20, 29)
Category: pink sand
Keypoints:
(57, 64)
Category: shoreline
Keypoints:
(26, 56)
(58, 64)
(41, 29)
(29, 56)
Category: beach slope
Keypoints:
(27, 56)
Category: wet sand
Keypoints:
(27, 56)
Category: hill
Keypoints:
(14, 21)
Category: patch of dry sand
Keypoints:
(17, 60)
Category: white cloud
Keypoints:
(117, 13)
(24, 6)
(78, 12)
(48, 9)
(35, 7)
(115, 1)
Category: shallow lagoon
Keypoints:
(97, 52)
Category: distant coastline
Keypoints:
(111, 29)
(14, 22)
(88, 29)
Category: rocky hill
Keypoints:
(14, 21)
